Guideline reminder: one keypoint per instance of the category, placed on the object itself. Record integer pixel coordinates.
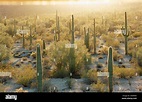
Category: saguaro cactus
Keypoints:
(5, 23)
(39, 68)
(44, 47)
(72, 29)
(87, 43)
(37, 17)
(84, 35)
(23, 37)
(72, 51)
(14, 24)
(94, 38)
(30, 37)
(55, 36)
(125, 33)
(57, 26)
(110, 69)
(86, 39)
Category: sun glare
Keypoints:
(87, 2)
(70, 2)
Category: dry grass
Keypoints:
(92, 75)
(99, 87)
(24, 75)
(124, 72)
(2, 87)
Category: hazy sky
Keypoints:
(70, 0)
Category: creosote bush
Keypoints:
(2, 87)
(91, 76)
(59, 55)
(99, 87)
(124, 72)
(24, 75)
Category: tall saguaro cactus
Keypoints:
(72, 29)
(14, 24)
(44, 47)
(39, 68)
(36, 22)
(86, 39)
(125, 33)
(55, 36)
(72, 51)
(110, 69)
(5, 23)
(87, 43)
(30, 37)
(57, 26)
(84, 35)
(94, 37)
(23, 45)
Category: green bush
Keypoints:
(92, 75)
(4, 53)
(124, 72)
(60, 73)
(58, 55)
(139, 56)
(139, 71)
(24, 75)
(6, 40)
(99, 87)
(137, 34)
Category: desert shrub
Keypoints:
(139, 56)
(60, 73)
(100, 29)
(47, 72)
(139, 71)
(2, 87)
(104, 50)
(137, 34)
(92, 75)
(6, 67)
(104, 37)
(59, 56)
(6, 40)
(10, 31)
(114, 43)
(50, 38)
(99, 87)
(115, 55)
(120, 38)
(24, 75)
(4, 53)
(124, 72)
(33, 54)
